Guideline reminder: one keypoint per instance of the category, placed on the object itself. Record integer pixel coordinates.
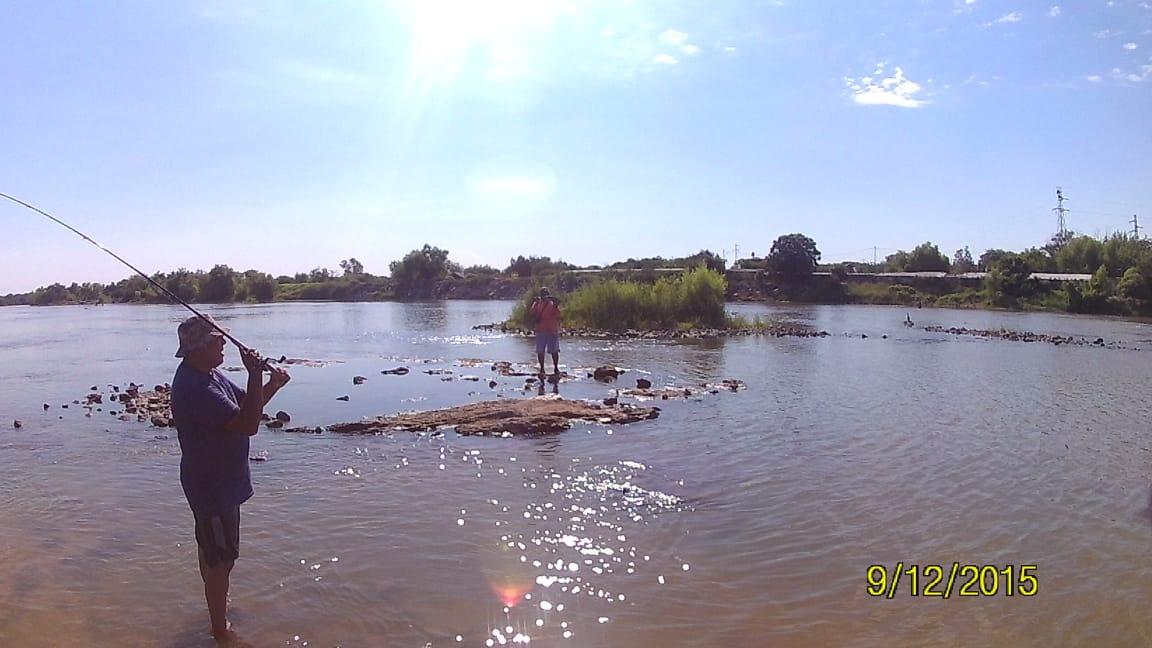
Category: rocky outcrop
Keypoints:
(532, 416)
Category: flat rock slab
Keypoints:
(518, 417)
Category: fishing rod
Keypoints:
(169, 293)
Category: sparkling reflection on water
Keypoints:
(734, 519)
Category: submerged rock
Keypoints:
(358, 380)
(505, 368)
(606, 373)
(398, 371)
(17, 424)
(643, 383)
(283, 416)
(342, 398)
(531, 416)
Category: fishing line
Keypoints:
(150, 280)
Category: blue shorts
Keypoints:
(218, 536)
(547, 342)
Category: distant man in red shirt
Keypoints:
(545, 314)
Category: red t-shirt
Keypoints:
(547, 315)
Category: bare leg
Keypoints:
(555, 363)
(216, 594)
(540, 357)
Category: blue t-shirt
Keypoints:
(214, 462)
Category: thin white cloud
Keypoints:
(1013, 17)
(1054, 11)
(664, 59)
(690, 50)
(673, 37)
(895, 90)
(1107, 33)
(1142, 76)
(1130, 46)
(974, 80)
(1095, 78)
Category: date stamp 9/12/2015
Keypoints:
(945, 581)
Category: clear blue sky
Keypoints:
(284, 136)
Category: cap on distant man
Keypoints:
(544, 292)
(194, 333)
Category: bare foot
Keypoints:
(229, 639)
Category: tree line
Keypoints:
(417, 275)
(1120, 266)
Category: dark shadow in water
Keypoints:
(553, 380)
(546, 447)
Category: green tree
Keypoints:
(416, 274)
(712, 261)
(352, 267)
(1009, 279)
(52, 295)
(183, 284)
(320, 275)
(989, 258)
(1122, 251)
(1097, 292)
(793, 254)
(926, 257)
(255, 285)
(1058, 242)
(896, 262)
(219, 285)
(1039, 260)
(1079, 255)
(962, 261)
(1133, 285)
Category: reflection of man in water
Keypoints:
(555, 387)
(545, 313)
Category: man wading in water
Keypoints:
(214, 418)
(545, 314)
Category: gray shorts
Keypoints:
(218, 536)
(547, 342)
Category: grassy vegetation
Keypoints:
(335, 290)
(694, 299)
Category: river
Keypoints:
(744, 518)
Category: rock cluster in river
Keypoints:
(1024, 336)
(769, 330)
(153, 406)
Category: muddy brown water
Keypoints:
(734, 519)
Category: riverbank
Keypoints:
(1010, 438)
(967, 292)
